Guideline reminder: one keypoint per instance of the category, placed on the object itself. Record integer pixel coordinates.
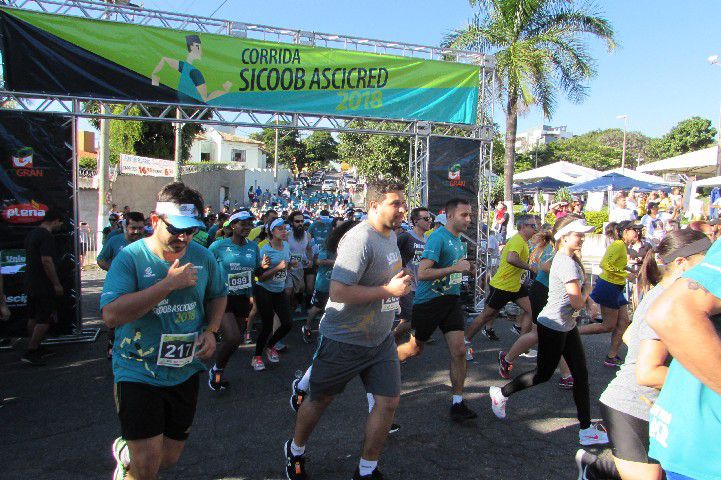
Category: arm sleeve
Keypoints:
(180, 65)
(433, 249)
(566, 270)
(105, 253)
(120, 280)
(216, 285)
(351, 261)
(197, 77)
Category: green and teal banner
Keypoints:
(81, 57)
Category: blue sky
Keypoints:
(658, 76)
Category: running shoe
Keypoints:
(566, 383)
(504, 368)
(216, 382)
(307, 334)
(531, 353)
(394, 428)
(119, 451)
(516, 329)
(33, 357)
(469, 351)
(374, 475)
(247, 340)
(298, 395)
(257, 364)
(498, 402)
(294, 464)
(460, 412)
(613, 362)
(280, 347)
(583, 460)
(593, 435)
(490, 334)
(272, 355)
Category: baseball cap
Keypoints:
(629, 225)
(441, 218)
(180, 215)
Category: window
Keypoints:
(204, 156)
(238, 156)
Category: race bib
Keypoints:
(280, 275)
(239, 281)
(390, 304)
(176, 349)
(455, 278)
(297, 258)
(417, 257)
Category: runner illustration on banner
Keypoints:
(191, 86)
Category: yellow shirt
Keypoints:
(614, 263)
(263, 243)
(253, 234)
(508, 277)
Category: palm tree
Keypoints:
(539, 49)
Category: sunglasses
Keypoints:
(427, 219)
(179, 231)
(532, 225)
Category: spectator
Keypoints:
(620, 212)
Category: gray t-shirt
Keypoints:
(558, 314)
(623, 393)
(365, 257)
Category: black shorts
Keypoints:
(497, 299)
(42, 309)
(319, 299)
(146, 411)
(538, 295)
(442, 312)
(310, 271)
(406, 304)
(238, 305)
(628, 434)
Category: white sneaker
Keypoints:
(272, 355)
(531, 353)
(257, 364)
(498, 402)
(469, 351)
(593, 435)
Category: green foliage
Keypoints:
(563, 195)
(597, 219)
(291, 151)
(124, 135)
(90, 163)
(375, 156)
(320, 148)
(497, 191)
(686, 136)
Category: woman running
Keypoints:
(270, 296)
(626, 402)
(557, 331)
(541, 256)
(609, 290)
(239, 261)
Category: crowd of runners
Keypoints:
(185, 287)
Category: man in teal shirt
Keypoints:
(165, 297)
(437, 300)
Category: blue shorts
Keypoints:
(608, 294)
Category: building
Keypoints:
(540, 136)
(221, 145)
(86, 144)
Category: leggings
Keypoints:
(270, 303)
(552, 345)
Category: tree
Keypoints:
(375, 155)
(538, 49)
(291, 151)
(320, 148)
(688, 135)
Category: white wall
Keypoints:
(263, 177)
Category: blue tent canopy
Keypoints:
(616, 181)
(546, 184)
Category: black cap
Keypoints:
(629, 225)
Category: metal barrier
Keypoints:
(88, 246)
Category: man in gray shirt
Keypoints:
(366, 283)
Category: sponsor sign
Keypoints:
(151, 167)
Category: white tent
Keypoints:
(564, 171)
(644, 177)
(700, 163)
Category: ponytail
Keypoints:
(649, 274)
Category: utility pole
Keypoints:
(275, 156)
(103, 174)
(714, 60)
(178, 127)
(625, 127)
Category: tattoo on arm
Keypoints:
(694, 285)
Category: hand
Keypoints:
(282, 265)
(400, 284)
(226, 86)
(294, 264)
(155, 80)
(206, 345)
(265, 263)
(58, 290)
(462, 266)
(181, 277)
(533, 268)
(4, 312)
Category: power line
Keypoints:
(219, 7)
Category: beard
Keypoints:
(298, 233)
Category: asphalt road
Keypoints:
(59, 420)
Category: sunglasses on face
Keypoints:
(179, 231)
(427, 219)
(532, 225)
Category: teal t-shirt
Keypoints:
(237, 264)
(320, 230)
(112, 247)
(176, 320)
(445, 249)
(276, 283)
(686, 418)
(541, 276)
(322, 278)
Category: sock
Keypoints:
(125, 456)
(295, 450)
(457, 399)
(304, 383)
(371, 402)
(366, 467)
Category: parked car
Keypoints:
(329, 185)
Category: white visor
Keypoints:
(184, 215)
(577, 226)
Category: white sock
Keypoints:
(304, 383)
(457, 399)
(296, 450)
(371, 402)
(366, 467)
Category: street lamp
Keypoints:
(715, 60)
(625, 127)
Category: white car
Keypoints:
(329, 185)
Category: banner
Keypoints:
(76, 56)
(146, 166)
(35, 175)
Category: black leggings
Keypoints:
(552, 345)
(270, 303)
